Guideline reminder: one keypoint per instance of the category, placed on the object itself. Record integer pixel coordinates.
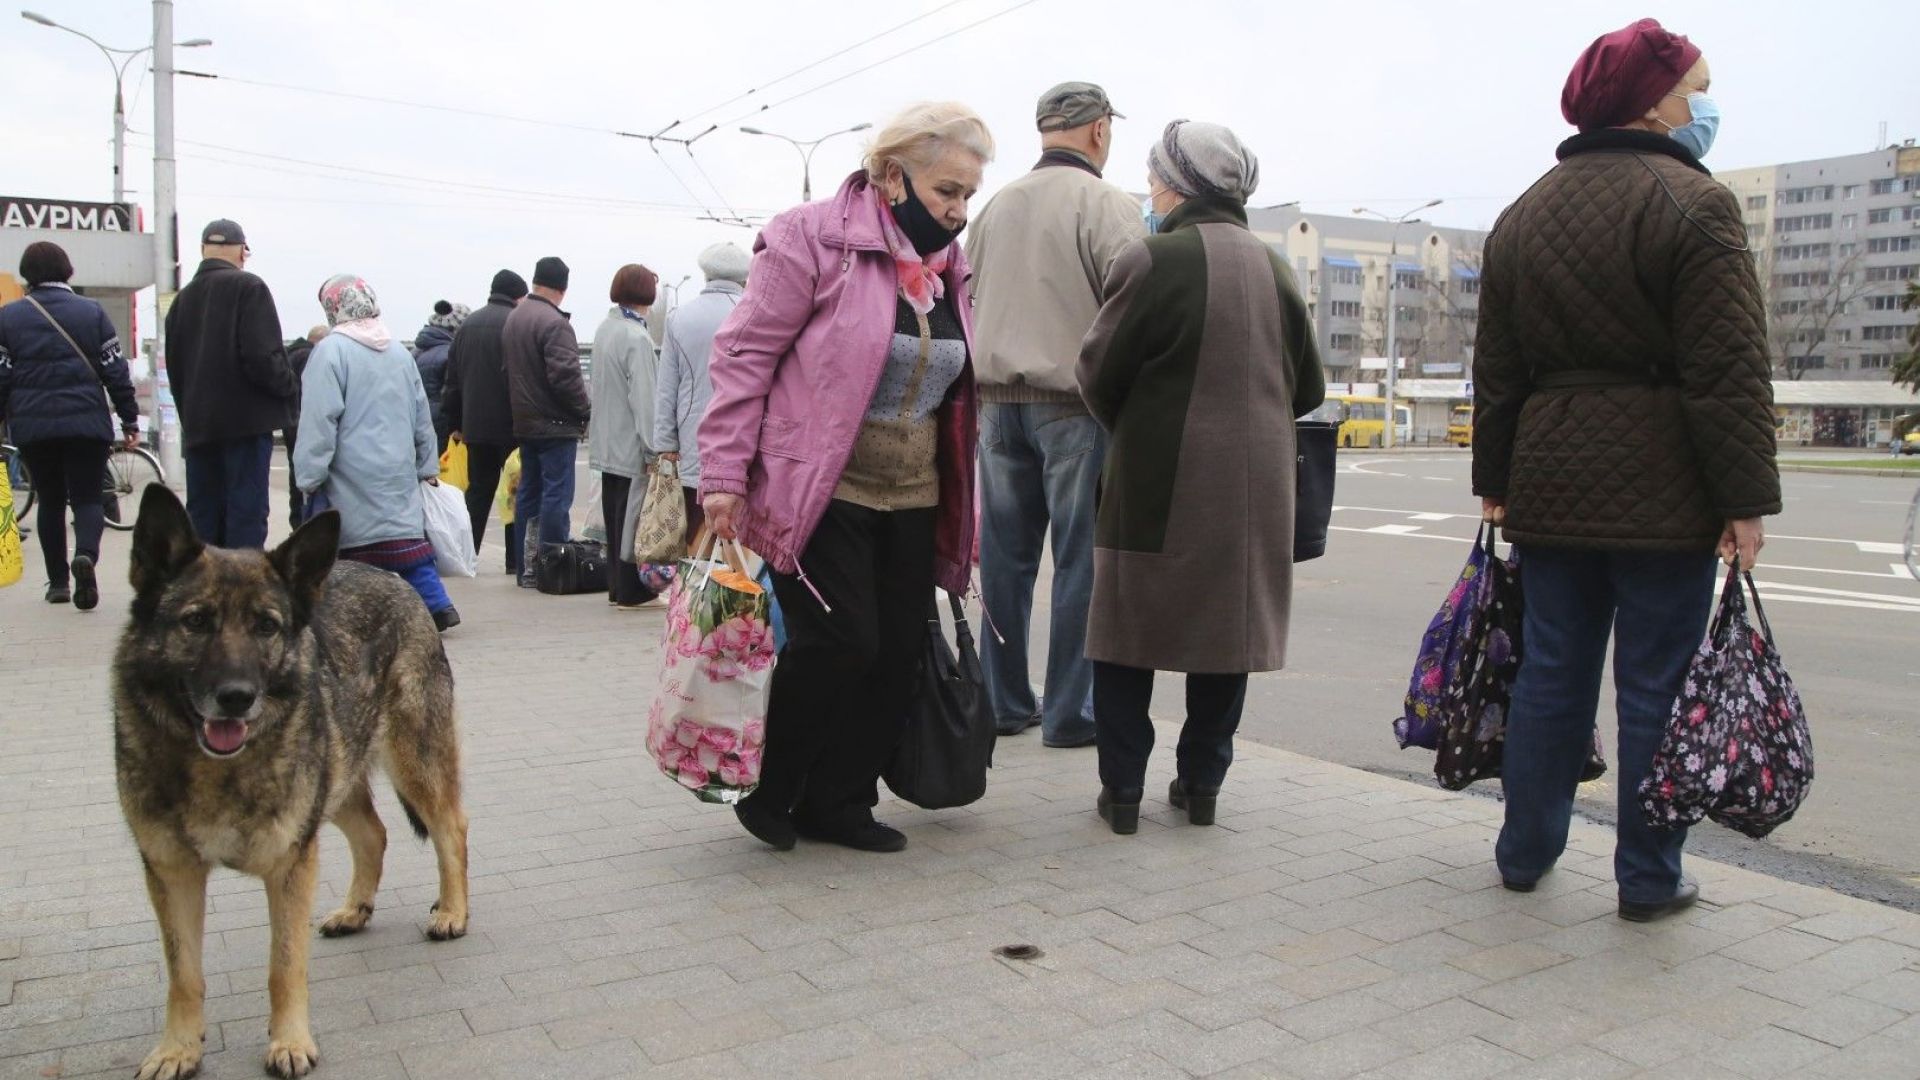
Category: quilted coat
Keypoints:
(1622, 397)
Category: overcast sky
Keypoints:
(1384, 104)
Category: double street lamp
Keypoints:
(806, 150)
(119, 60)
(1393, 307)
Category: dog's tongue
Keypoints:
(225, 736)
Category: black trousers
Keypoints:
(67, 472)
(623, 578)
(296, 499)
(1123, 729)
(484, 462)
(841, 687)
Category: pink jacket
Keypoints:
(794, 367)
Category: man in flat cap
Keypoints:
(227, 366)
(1040, 252)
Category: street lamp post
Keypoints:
(806, 150)
(1393, 307)
(119, 60)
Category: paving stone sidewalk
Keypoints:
(1334, 924)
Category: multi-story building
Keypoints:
(1837, 240)
(1343, 266)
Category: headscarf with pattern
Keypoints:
(354, 311)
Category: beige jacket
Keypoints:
(1040, 252)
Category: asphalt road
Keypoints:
(1846, 618)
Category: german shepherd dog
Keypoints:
(253, 693)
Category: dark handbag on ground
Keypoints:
(577, 566)
(947, 747)
(1313, 487)
(1737, 748)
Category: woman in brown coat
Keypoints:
(1200, 360)
(1623, 432)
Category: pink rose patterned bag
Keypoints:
(707, 728)
(1737, 748)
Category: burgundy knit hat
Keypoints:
(1625, 73)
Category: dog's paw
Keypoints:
(290, 1058)
(446, 925)
(171, 1061)
(349, 919)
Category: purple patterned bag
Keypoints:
(1431, 694)
(1737, 748)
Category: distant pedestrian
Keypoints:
(1040, 252)
(861, 499)
(61, 382)
(366, 442)
(297, 352)
(476, 401)
(624, 369)
(228, 369)
(684, 385)
(505, 503)
(1202, 356)
(550, 406)
(1623, 428)
(431, 346)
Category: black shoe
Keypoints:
(767, 825)
(86, 589)
(1511, 885)
(1198, 803)
(866, 835)
(1120, 809)
(1683, 898)
(1018, 726)
(446, 619)
(59, 594)
(1073, 744)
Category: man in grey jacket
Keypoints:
(683, 387)
(550, 406)
(1040, 252)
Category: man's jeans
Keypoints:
(1655, 606)
(227, 490)
(1039, 465)
(544, 503)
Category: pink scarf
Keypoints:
(922, 281)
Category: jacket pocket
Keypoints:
(781, 437)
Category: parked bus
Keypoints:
(1362, 420)
(1460, 427)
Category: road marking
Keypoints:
(1394, 530)
(1414, 535)
(1444, 517)
(1416, 515)
(1443, 479)
(1768, 586)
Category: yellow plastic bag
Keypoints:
(12, 562)
(453, 464)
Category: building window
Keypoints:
(1800, 307)
(1893, 273)
(1880, 217)
(1802, 279)
(1851, 191)
(1884, 244)
(1849, 221)
(1876, 361)
(1757, 230)
(1819, 193)
(1803, 251)
(1409, 279)
(1803, 223)
(1756, 202)
(1883, 303)
(1470, 286)
(1404, 314)
(1344, 309)
(1895, 186)
(1343, 342)
(1344, 275)
(1848, 249)
(1883, 333)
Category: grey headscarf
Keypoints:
(1197, 158)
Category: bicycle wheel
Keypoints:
(129, 472)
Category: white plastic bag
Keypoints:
(449, 530)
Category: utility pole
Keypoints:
(806, 149)
(1393, 310)
(166, 235)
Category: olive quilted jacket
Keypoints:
(1622, 393)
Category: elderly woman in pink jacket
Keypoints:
(839, 444)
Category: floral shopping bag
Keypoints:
(1737, 748)
(708, 728)
(12, 559)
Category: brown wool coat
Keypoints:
(1201, 358)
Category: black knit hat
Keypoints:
(509, 284)
(550, 273)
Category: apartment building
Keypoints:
(1837, 240)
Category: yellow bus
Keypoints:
(1460, 427)
(1362, 420)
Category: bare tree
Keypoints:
(1805, 296)
(1906, 371)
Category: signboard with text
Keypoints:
(18, 212)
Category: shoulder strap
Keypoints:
(55, 323)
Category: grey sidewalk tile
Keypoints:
(1842, 1021)
(1466, 1059)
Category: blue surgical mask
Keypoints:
(1147, 214)
(1697, 134)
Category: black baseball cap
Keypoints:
(223, 232)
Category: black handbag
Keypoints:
(1313, 487)
(947, 747)
(577, 566)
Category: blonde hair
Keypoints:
(921, 134)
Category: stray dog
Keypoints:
(252, 694)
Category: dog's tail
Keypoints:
(413, 819)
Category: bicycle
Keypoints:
(130, 470)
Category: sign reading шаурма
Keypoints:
(23, 213)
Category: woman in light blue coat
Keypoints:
(366, 442)
(684, 387)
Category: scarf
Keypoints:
(354, 312)
(921, 282)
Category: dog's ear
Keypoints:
(164, 543)
(305, 559)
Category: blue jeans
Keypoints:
(1655, 606)
(425, 580)
(545, 500)
(1039, 466)
(227, 490)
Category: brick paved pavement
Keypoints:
(1335, 923)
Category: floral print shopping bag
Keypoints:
(1737, 748)
(707, 728)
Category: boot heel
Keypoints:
(1123, 817)
(1199, 808)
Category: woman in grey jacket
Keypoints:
(681, 399)
(624, 363)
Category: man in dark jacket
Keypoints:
(475, 401)
(550, 405)
(230, 377)
(297, 352)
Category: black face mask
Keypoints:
(923, 230)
